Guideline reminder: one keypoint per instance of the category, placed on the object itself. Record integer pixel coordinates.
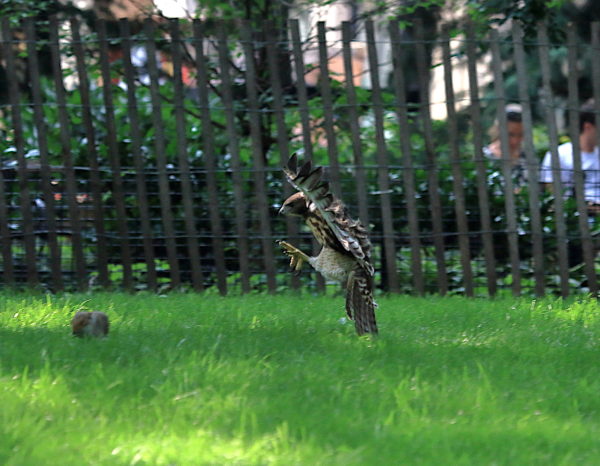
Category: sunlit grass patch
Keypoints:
(199, 379)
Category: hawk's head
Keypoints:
(295, 205)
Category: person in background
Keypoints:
(514, 126)
(590, 161)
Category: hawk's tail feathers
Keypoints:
(360, 305)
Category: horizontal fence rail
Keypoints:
(148, 156)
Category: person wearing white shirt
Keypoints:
(590, 161)
(590, 165)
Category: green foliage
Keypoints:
(199, 379)
(139, 275)
(529, 14)
(196, 150)
(16, 10)
(393, 10)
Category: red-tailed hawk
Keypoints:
(346, 252)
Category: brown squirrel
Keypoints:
(94, 324)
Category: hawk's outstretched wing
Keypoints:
(350, 233)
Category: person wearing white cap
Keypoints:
(514, 127)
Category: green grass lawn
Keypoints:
(200, 379)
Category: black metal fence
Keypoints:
(152, 160)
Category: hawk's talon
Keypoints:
(297, 257)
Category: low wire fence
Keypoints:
(151, 159)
